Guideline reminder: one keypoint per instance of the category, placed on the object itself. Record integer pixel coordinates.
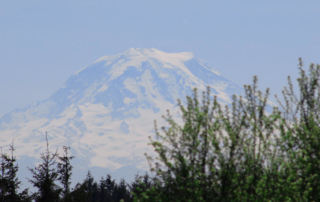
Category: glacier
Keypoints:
(105, 111)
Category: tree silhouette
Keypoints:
(65, 172)
(45, 176)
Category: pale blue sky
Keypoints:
(43, 42)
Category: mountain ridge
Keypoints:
(105, 111)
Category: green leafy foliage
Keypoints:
(301, 135)
(241, 153)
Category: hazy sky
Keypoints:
(43, 42)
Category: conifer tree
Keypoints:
(3, 182)
(121, 192)
(89, 182)
(79, 193)
(110, 187)
(44, 177)
(140, 185)
(95, 192)
(65, 172)
(9, 182)
(102, 190)
(13, 183)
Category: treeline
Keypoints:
(52, 178)
(241, 152)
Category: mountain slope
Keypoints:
(105, 112)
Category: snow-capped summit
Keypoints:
(105, 112)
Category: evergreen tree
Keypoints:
(140, 185)
(45, 176)
(9, 182)
(102, 190)
(65, 172)
(89, 182)
(25, 197)
(13, 183)
(79, 193)
(110, 187)
(3, 182)
(95, 192)
(121, 192)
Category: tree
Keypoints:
(102, 190)
(45, 176)
(140, 185)
(301, 135)
(121, 192)
(9, 182)
(13, 183)
(89, 186)
(218, 154)
(95, 192)
(3, 180)
(110, 187)
(65, 172)
(79, 193)
(242, 153)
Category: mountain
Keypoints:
(105, 112)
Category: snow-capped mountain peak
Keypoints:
(105, 111)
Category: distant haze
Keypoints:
(42, 43)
